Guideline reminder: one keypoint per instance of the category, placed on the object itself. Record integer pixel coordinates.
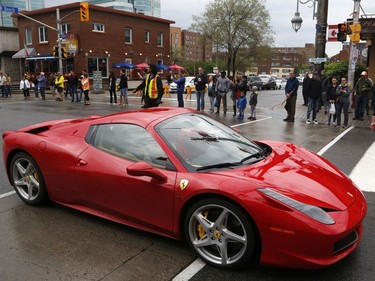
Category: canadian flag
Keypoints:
(332, 33)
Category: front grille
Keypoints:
(345, 242)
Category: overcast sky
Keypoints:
(281, 12)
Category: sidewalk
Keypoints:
(191, 103)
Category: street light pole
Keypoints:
(321, 27)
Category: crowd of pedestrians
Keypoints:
(321, 92)
(329, 94)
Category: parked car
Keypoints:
(268, 82)
(189, 81)
(180, 173)
(280, 83)
(254, 81)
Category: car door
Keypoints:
(107, 187)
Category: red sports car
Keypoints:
(180, 173)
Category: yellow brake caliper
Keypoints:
(200, 228)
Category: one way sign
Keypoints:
(332, 33)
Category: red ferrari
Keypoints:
(182, 174)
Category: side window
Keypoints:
(130, 142)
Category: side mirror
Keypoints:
(145, 169)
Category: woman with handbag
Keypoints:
(331, 99)
(342, 94)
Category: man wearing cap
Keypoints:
(314, 94)
(362, 92)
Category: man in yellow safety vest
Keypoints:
(152, 87)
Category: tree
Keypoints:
(233, 26)
(340, 69)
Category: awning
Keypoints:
(24, 53)
(7, 54)
(42, 57)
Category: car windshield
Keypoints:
(202, 143)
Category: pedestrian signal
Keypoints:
(64, 54)
(84, 11)
(355, 36)
(342, 32)
(55, 51)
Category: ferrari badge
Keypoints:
(183, 184)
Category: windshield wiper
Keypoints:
(220, 165)
(259, 154)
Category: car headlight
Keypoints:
(313, 212)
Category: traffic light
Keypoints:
(55, 51)
(355, 36)
(342, 32)
(64, 54)
(84, 11)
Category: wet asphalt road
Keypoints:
(57, 243)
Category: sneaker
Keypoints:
(308, 121)
(315, 122)
(249, 118)
(254, 118)
(372, 126)
(328, 123)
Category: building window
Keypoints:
(147, 36)
(66, 28)
(128, 71)
(128, 36)
(43, 35)
(28, 36)
(160, 39)
(98, 27)
(98, 64)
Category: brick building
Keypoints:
(110, 36)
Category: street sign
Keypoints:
(9, 9)
(317, 60)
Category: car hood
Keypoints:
(301, 175)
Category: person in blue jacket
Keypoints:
(241, 105)
(291, 89)
(180, 82)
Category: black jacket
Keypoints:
(315, 88)
(123, 82)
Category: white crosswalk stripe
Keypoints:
(362, 174)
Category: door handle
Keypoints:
(82, 162)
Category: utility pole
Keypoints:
(321, 32)
(59, 39)
(58, 30)
(353, 56)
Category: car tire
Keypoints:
(220, 233)
(27, 179)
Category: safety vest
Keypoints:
(151, 87)
(85, 84)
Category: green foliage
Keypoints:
(340, 69)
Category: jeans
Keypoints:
(73, 92)
(180, 98)
(212, 102)
(222, 97)
(340, 107)
(313, 106)
(200, 100)
(112, 96)
(360, 105)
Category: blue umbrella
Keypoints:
(163, 67)
(123, 65)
